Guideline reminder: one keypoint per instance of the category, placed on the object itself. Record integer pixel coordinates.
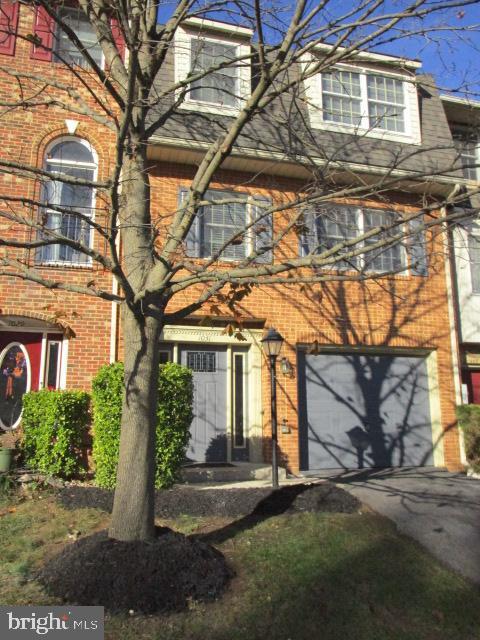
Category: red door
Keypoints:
(20, 357)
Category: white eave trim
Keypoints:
(213, 25)
(467, 102)
(402, 63)
(275, 156)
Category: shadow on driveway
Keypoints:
(440, 510)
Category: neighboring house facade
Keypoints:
(367, 375)
(464, 120)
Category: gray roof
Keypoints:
(284, 128)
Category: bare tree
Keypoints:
(149, 257)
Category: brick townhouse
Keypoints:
(368, 374)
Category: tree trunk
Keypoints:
(133, 507)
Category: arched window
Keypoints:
(76, 158)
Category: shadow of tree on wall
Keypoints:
(364, 410)
(363, 380)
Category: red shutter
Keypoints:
(475, 380)
(43, 29)
(8, 26)
(118, 37)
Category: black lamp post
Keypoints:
(272, 344)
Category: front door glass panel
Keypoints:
(15, 377)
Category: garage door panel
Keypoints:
(361, 410)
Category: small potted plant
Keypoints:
(8, 443)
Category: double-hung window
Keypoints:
(220, 86)
(386, 103)
(474, 259)
(212, 68)
(354, 98)
(331, 226)
(467, 146)
(68, 206)
(64, 48)
(233, 226)
(368, 101)
(327, 227)
(388, 258)
(342, 97)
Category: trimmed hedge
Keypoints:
(54, 425)
(107, 388)
(469, 421)
(174, 416)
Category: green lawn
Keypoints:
(302, 576)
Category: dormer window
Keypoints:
(367, 101)
(467, 146)
(356, 99)
(386, 103)
(342, 97)
(204, 46)
(218, 87)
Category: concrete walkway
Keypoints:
(440, 510)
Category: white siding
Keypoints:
(469, 302)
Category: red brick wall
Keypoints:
(25, 135)
(400, 311)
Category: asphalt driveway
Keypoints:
(440, 510)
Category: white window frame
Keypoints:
(57, 40)
(24, 350)
(313, 88)
(457, 133)
(359, 222)
(183, 63)
(47, 362)
(87, 263)
(249, 235)
(471, 230)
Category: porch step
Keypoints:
(234, 472)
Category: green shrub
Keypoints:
(469, 421)
(174, 415)
(107, 391)
(54, 425)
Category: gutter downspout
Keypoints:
(454, 322)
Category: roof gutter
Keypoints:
(195, 146)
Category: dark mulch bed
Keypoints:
(146, 577)
(187, 500)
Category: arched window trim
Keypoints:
(42, 255)
(85, 143)
(3, 353)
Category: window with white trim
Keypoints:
(386, 103)
(75, 158)
(327, 226)
(52, 364)
(342, 97)
(64, 48)
(222, 90)
(361, 100)
(220, 87)
(474, 259)
(468, 149)
(233, 227)
(369, 101)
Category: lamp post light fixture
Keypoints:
(271, 345)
